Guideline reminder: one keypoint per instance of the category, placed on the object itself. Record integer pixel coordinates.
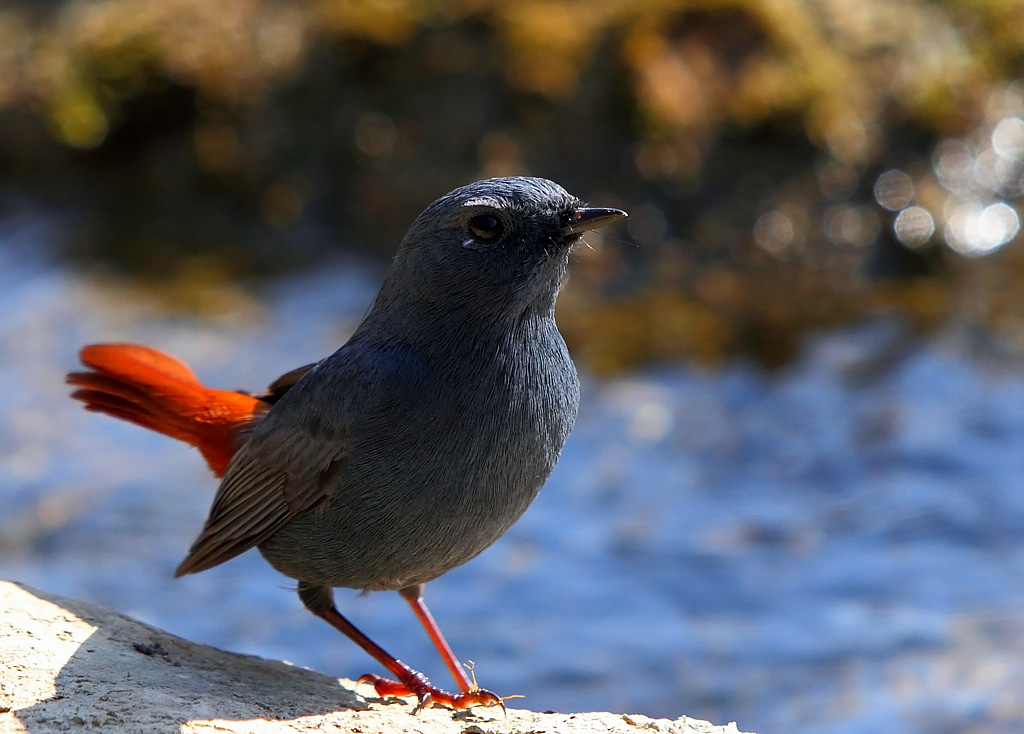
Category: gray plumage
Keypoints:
(425, 437)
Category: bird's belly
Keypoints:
(377, 536)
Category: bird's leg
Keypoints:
(414, 596)
(319, 600)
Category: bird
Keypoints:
(410, 449)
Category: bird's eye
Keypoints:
(485, 227)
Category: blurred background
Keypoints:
(793, 496)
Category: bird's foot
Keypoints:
(416, 684)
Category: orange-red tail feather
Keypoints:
(157, 391)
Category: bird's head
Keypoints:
(501, 243)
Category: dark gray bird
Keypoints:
(413, 447)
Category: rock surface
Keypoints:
(67, 665)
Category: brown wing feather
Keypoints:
(256, 498)
(284, 383)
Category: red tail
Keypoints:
(159, 392)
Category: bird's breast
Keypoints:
(447, 455)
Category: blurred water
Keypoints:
(834, 548)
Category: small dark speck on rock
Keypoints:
(155, 649)
(645, 725)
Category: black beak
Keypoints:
(585, 219)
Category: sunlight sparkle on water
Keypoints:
(973, 229)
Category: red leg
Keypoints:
(319, 600)
(414, 595)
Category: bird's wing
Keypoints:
(277, 475)
(284, 383)
(291, 460)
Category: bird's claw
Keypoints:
(416, 684)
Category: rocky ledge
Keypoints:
(66, 665)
